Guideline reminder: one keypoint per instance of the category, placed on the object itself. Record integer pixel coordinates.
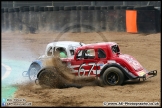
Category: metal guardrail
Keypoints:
(75, 3)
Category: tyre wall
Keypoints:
(145, 19)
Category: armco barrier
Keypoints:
(97, 17)
(84, 19)
(49, 19)
(103, 18)
(55, 19)
(63, 18)
(46, 16)
(6, 19)
(41, 19)
(78, 25)
(2, 19)
(146, 21)
(91, 18)
(158, 20)
(111, 17)
(74, 20)
(143, 19)
(25, 20)
(11, 19)
(33, 20)
(121, 20)
(16, 19)
(67, 21)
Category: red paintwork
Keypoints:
(127, 61)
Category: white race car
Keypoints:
(69, 48)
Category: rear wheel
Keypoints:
(48, 77)
(113, 76)
(33, 71)
(51, 78)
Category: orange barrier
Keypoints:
(131, 21)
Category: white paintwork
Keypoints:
(67, 45)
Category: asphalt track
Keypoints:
(11, 74)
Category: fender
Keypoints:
(128, 74)
(43, 70)
(39, 62)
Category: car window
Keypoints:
(72, 52)
(79, 54)
(49, 51)
(62, 52)
(86, 54)
(89, 54)
(115, 49)
(101, 53)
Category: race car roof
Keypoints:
(65, 44)
(100, 44)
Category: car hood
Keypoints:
(131, 61)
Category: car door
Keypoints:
(85, 64)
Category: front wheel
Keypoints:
(33, 71)
(113, 76)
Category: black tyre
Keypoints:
(36, 8)
(78, 8)
(48, 77)
(73, 7)
(61, 8)
(130, 8)
(97, 8)
(113, 76)
(50, 8)
(21, 9)
(2, 10)
(103, 8)
(117, 7)
(91, 7)
(31, 8)
(123, 7)
(26, 9)
(11, 10)
(41, 9)
(55, 8)
(150, 7)
(5, 9)
(33, 71)
(140, 8)
(16, 9)
(84, 7)
(67, 8)
(45, 8)
(110, 7)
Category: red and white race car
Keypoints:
(105, 61)
(51, 48)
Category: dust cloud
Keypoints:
(60, 76)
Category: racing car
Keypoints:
(51, 48)
(101, 60)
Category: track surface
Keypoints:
(23, 48)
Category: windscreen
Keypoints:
(115, 49)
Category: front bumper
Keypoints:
(25, 74)
(148, 75)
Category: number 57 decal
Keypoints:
(81, 69)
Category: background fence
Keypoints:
(83, 17)
(10, 4)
